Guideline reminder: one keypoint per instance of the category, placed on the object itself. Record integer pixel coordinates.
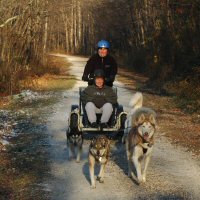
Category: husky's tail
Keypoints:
(136, 101)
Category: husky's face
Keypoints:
(146, 126)
(99, 146)
(74, 137)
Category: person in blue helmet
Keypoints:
(102, 60)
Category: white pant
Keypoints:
(91, 111)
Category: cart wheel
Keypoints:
(120, 132)
(73, 121)
(73, 107)
(120, 109)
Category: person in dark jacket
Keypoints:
(99, 98)
(102, 60)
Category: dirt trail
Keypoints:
(172, 173)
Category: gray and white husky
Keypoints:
(139, 138)
(74, 143)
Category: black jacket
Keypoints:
(99, 96)
(107, 64)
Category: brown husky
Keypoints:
(140, 141)
(98, 152)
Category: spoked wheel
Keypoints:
(120, 109)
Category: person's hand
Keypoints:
(90, 77)
(85, 78)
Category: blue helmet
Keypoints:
(103, 44)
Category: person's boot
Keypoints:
(94, 125)
(103, 125)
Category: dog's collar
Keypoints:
(146, 145)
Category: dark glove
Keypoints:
(85, 78)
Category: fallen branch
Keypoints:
(8, 20)
(15, 17)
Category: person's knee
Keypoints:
(89, 105)
(108, 106)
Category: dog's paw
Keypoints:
(140, 180)
(100, 179)
(144, 179)
(93, 186)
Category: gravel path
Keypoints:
(172, 173)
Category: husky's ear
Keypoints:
(108, 142)
(134, 123)
(140, 119)
(92, 142)
(152, 119)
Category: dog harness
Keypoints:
(145, 149)
(99, 158)
(148, 144)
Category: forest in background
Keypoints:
(157, 38)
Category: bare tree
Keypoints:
(143, 33)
